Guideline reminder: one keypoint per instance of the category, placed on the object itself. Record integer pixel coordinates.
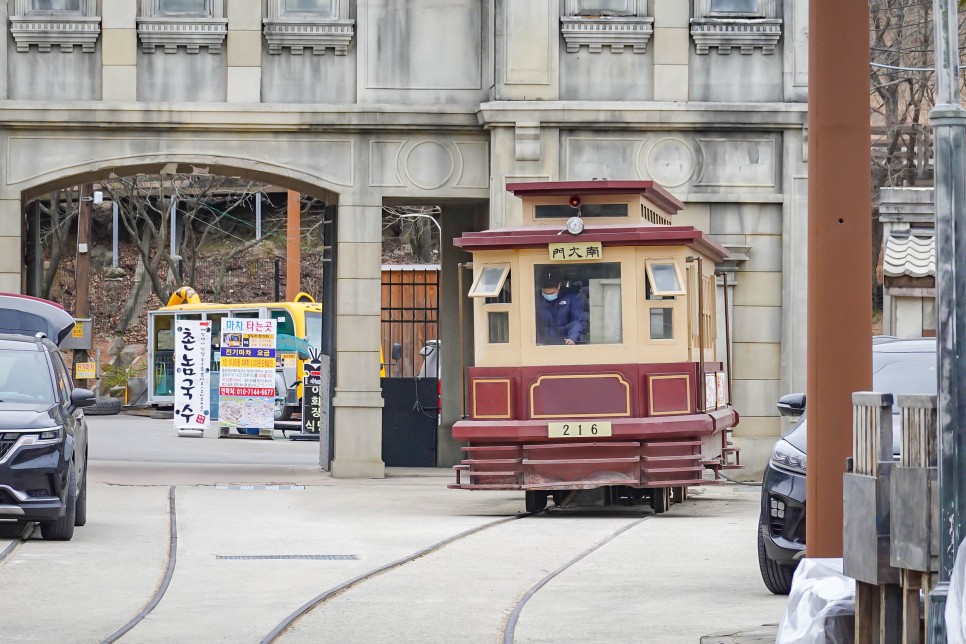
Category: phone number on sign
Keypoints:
(246, 391)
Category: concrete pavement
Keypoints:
(672, 578)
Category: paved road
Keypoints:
(667, 579)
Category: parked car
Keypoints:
(898, 367)
(43, 434)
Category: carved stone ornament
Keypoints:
(318, 31)
(744, 31)
(53, 28)
(170, 30)
(631, 28)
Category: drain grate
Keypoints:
(260, 487)
(295, 557)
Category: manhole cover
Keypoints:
(298, 557)
(260, 487)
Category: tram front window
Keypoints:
(578, 304)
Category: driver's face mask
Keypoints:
(550, 297)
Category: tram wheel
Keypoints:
(660, 499)
(536, 500)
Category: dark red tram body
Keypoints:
(610, 378)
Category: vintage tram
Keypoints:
(595, 349)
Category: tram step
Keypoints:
(670, 459)
(491, 448)
(679, 482)
(668, 470)
(485, 474)
(490, 461)
(581, 461)
(483, 486)
(674, 444)
(461, 468)
(578, 445)
(574, 485)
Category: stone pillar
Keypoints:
(358, 395)
(672, 47)
(119, 47)
(244, 51)
(456, 221)
(11, 255)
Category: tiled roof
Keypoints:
(912, 254)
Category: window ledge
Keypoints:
(744, 34)
(614, 32)
(50, 31)
(299, 34)
(193, 33)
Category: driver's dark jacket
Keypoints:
(560, 320)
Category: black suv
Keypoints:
(43, 434)
(898, 367)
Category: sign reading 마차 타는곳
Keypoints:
(247, 386)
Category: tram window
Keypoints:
(284, 321)
(490, 281)
(578, 304)
(664, 278)
(498, 323)
(587, 211)
(661, 324)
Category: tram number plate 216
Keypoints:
(584, 429)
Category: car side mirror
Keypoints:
(82, 397)
(791, 405)
(396, 352)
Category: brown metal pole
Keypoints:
(293, 246)
(82, 262)
(839, 255)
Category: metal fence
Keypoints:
(410, 315)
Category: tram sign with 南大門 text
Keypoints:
(576, 251)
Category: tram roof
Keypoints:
(653, 192)
(608, 234)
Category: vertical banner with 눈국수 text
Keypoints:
(192, 364)
(247, 386)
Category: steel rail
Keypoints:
(13, 546)
(310, 605)
(509, 631)
(165, 581)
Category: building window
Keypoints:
(310, 6)
(191, 24)
(662, 324)
(663, 279)
(55, 23)
(606, 23)
(317, 25)
(55, 6)
(744, 25)
(745, 7)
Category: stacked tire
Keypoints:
(105, 407)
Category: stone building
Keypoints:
(369, 102)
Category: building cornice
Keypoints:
(645, 115)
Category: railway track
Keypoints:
(506, 631)
(165, 580)
(13, 546)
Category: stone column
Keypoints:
(672, 47)
(358, 395)
(244, 51)
(119, 46)
(11, 255)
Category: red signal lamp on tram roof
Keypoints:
(574, 201)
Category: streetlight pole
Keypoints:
(949, 127)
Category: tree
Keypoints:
(61, 209)
(413, 227)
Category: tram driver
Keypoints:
(561, 316)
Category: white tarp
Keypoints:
(192, 357)
(956, 600)
(821, 605)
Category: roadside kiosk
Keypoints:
(595, 349)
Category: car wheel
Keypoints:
(281, 411)
(105, 407)
(536, 500)
(777, 577)
(80, 511)
(660, 499)
(62, 529)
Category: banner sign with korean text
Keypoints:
(576, 251)
(247, 386)
(192, 358)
